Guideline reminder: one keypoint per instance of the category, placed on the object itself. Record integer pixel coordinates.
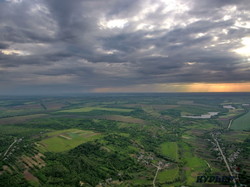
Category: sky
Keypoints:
(79, 46)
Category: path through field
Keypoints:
(9, 148)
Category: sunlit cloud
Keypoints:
(115, 23)
(14, 52)
(14, 1)
(246, 49)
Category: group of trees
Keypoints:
(90, 162)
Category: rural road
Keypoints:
(156, 173)
(230, 123)
(224, 158)
(9, 148)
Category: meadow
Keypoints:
(64, 140)
(89, 109)
(168, 175)
(170, 149)
(242, 123)
(194, 165)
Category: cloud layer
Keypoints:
(84, 45)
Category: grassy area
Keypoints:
(62, 131)
(203, 124)
(20, 119)
(150, 110)
(141, 182)
(89, 109)
(235, 136)
(231, 113)
(127, 125)
(194, 165)
(64, 140)
(172, 185)
(127, 119)
(170, 149)
(18, 112)
(196, 110)
(168, 175)
(242, 123)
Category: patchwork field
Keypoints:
(34, 161)
(235, 136)
(127, 119)
(231, 114)
(20, 119)
(150, 110)
(89, 109)
(64, 140)
(196, 109)
(163, 107)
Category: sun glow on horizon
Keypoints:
(219, 87)
(179, 87)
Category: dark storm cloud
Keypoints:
(3, 46)
(207, 4)
(86, 44)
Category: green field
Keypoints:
(141, 182)
(150, 110)
(242, 123)
(204, 124)
(170, 149)
(64, 140)
(89, 109)
(235, 136)
(194, 165)
(168, 175)
(196, 109)
(231, 113)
